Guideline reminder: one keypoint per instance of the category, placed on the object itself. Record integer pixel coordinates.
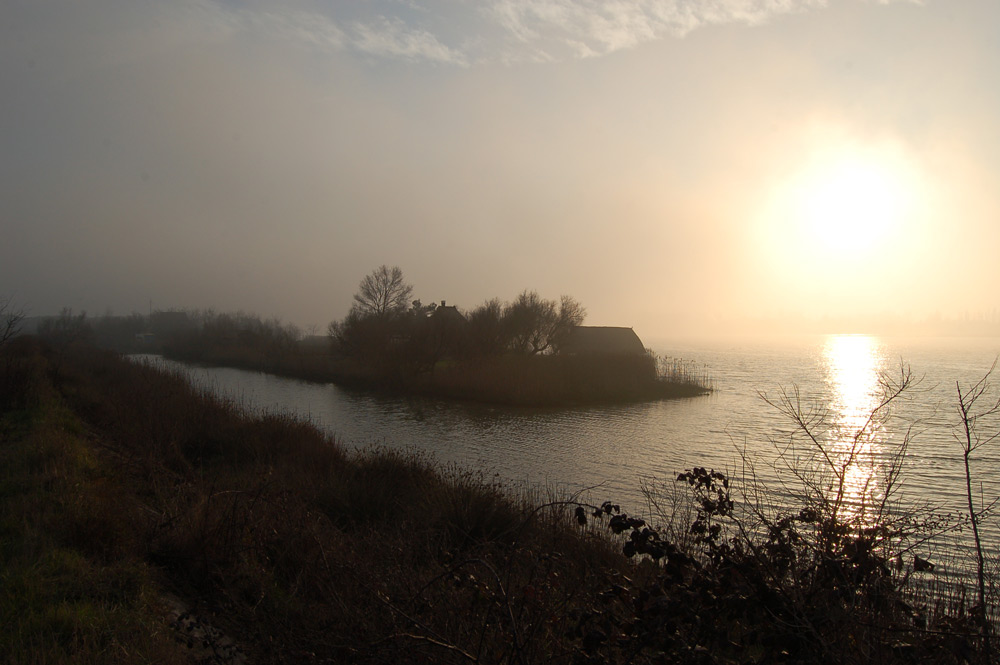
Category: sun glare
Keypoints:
(853, 365)
(840, 218)
(852, 206)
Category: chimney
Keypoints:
(442, 303)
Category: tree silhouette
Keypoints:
(383, 293)
(487, 335)
(10, 319)
(535, 325)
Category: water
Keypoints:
(610, 451)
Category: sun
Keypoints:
(842, 225)
(852, 206)
(841, 205)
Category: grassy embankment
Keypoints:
(123, 488)
(121, 484)
(547, 380)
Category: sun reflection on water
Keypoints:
(854, 364)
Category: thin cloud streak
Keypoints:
(507, 31)
(590, 28)
(392, 38)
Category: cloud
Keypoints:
(306, 27)
(587, 28)
(441, 32)
(510, 31)
(391, 37)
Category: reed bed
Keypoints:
(513, 379)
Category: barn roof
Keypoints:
(602, 339)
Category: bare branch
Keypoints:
(11, 318)
(383, 292)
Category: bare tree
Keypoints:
(536, 325)
(529, 321)
(818, 472)
(382, 293)
(978, 404)
(571, 314)
(10, 319)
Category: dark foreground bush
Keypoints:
(830, 573)
(801, 590)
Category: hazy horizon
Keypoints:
(676, 167)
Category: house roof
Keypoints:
(447, 313)
(602, 339)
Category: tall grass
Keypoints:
(683, 372)
(555, 379)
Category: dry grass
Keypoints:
(556, 380)
(268, 528)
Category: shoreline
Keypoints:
(528, 382)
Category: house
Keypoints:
(448, 315)
(592, 340)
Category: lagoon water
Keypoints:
(610, 452)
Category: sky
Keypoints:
(680, 167)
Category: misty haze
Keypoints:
(514, 331)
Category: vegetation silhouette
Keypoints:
(527, 352)
(130, 492)
(523, 352)
(11, 318)
(510, 352)
(382, 293)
